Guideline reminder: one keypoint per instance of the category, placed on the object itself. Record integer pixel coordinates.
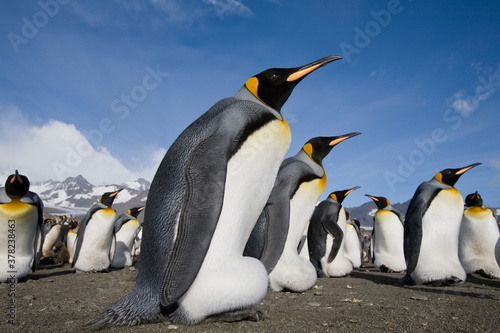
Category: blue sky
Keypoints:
(102, 88)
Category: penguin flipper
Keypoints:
(205, 176)
(33, 199)
(413, 223)
(81, 231)
(336, 232)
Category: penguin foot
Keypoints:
(384, 269)
(485, 274)
(406, 281)
(250, 314)
(444, 282)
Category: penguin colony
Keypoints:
(229, 219)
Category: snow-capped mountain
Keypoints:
(75, 195)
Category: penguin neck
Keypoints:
(318, 169)
(246, 95)
(437, 183)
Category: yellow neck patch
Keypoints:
(308, 148)
(252, 85)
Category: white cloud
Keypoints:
(229, 8)
(56, 150)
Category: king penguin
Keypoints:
(352, 246)
(21, 218)
(431, 231)
(125, 229)
(478, 236)
(325, 236)
(93, 245)
(203, 203)
(300, 182)
(387, 237)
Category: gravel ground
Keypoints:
(56, 299)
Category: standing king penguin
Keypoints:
(21, 217)
(300, 182)
(387, 237)
(325, 236)
(204, 201)
(93, 250)
(125, 229)
(478, 236)
(431, 231)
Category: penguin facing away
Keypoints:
(300, 182)
(478, 236)
(387, 237)
(21, 218)
(93, 245)
(126, 226)
(431, 231)
(325, 236)
(203, 203)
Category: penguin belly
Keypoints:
(478, 236)
(124, 243)
(70, 241)
(438, 258)
(388, 241)
(20, 220)
(340, 265)
(226, 280)
(94, 253)
(352, 246)
(293, 271)
(50, 241)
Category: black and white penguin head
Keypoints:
(339, 196)
(450, 176)
(381, 202)
(317, 148)
(274, 86)
(108, 198)
(17, 186)
(473, 200)
(135, 211)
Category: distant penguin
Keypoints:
(49, 241)
(204, 201)
(136, 249)
(300, 182)
(431, 231)
(70, 243)
(478, 237)
(126, 226)
(352, 246)
(21, 217)
(95, 236)
(326, 236)
(387, 237)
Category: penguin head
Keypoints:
(273, 86)
(108, 198)
(381, 202)
(17, 186)
(356, 222)
(73, 224)
(317, 148)
(451, 176)
(473, 200)
(339, 196)
(135, 211)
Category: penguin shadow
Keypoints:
(40, 273)
(375, 276)
(481, 280)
